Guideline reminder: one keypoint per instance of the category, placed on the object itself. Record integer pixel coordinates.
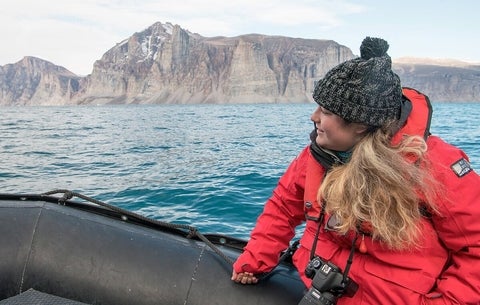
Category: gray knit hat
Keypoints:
(363, 90)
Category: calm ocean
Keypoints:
(211, 166)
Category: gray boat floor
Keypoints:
(33, 297)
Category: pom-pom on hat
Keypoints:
(365, 89)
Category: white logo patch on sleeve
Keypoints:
(461, 167)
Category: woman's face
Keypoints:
(333, 132)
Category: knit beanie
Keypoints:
(365, 89)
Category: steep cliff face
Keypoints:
(167, 64)
(33, 81)
(442, 83)
(279, 69)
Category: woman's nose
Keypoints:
(315, 117)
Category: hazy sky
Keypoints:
(75, 33)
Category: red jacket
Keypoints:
(446, 270)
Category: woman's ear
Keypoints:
(359, 128)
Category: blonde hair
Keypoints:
(383, 185)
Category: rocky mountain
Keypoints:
(442, 81)
(33, 81)
(167, 64)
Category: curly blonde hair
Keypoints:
(384, 185)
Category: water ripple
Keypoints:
(212, 166)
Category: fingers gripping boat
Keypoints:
(93, 253)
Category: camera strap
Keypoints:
(320, 222)
(350, 259)
(315, 240)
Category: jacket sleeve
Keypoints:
(457, 224)
(275, 226)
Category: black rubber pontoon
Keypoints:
(90, 254)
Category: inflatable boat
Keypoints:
(64, 248)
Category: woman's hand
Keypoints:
(244, 278)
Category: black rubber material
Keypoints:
(90, 258)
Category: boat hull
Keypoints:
(97, 259)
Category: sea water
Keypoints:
(210, 166)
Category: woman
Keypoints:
(395, 208)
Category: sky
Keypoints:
(76, 33)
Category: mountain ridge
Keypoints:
(167, 64)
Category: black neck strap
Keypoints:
(352, 249)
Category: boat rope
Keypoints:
(193, 232)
